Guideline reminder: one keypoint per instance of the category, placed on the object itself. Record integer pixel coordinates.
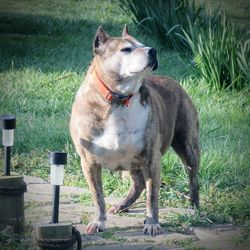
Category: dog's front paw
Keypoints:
(95, 226)
(152, 229)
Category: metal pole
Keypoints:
(55, 203)
(7, 150)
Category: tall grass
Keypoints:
(163, 18)
(221, 57)
(220, 54)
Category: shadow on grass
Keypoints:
(45, 43)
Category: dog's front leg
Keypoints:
(92, 173)
(152, 178)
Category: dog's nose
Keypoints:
(152, 52)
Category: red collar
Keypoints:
(107, 93)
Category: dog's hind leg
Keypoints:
(186, 145)
(138, 184)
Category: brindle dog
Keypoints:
(125, 119)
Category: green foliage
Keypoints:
(222, 58)
(109, 235)
(114, 184)
(181, 222)
(164, 19)
(13, 241)
(227, 205)
(244, 238)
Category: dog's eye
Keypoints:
(126, 50)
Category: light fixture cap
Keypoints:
(58, 158)
(8, 122)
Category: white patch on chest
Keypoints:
(123, 135)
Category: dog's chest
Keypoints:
(123, 136)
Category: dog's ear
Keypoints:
(125, 31)
(100, 39)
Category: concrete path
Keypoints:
(124, 232)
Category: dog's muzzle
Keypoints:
(153, 61)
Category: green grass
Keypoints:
(45, 49)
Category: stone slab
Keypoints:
(139, 236)
(47, 189)
(125, 230)
(67, 212)
(221, 245)
(124, 246)
(94, 240)
(33, 180)
(219, 237)
(43, 193)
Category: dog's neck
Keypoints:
(107, 92)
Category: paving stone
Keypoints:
(219, 237)
(68, 190)
(43, 193)
(205, 234)
(140, 208)
(219, 232)
(112, 201)
(138, 235)
(221, 245)
(123, 221)
(122, 246)
(47, 189)
(126, 230)
(94, 240)
(33, 180)
(67, 212)
(44, 198)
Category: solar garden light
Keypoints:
(56, 235)
(8, 124)
(57, 161)
(12, 187)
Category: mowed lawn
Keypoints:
(45, 49)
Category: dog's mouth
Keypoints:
(153, 64)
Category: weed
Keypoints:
(227, 205)
(12, 241)
(85, 218)
(110, 235)
(83, 198)
(219, 54)
(181, 222)
(244, 238)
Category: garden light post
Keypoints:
(57, 161)
(56, 235)
(12, 187)
(8, 124)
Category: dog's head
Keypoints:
(123, 58)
